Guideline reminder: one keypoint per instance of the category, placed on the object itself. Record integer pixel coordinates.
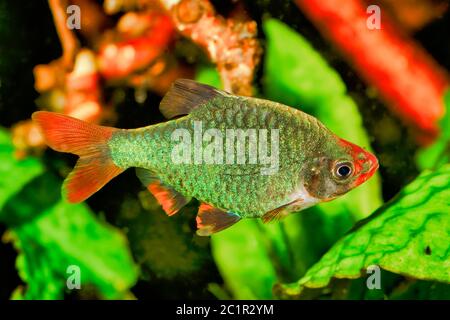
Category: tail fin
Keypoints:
(89, 141)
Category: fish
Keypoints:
(240, 157)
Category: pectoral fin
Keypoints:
(211, 220)
(170, 199)
(274, 215)
(281, 212)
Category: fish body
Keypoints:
(241, 157)
(240, 188)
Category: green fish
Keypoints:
(241, 157)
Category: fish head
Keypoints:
(338, 169)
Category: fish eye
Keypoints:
(343, 170)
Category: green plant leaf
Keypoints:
(297, 75)
(410, 236)
(439, 152)
(14, 174)
(244, 261)
(51, 234)
(70, 235)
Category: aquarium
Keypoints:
(224, 150)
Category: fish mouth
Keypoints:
(365, 162)
(371, 163)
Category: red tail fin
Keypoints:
(95, 166)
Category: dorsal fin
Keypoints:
(185, 95)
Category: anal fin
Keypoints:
(211, 220)
(170, 199)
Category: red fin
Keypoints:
(95, 166)
(170, 199)
(211, 220)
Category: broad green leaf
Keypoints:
(297, 75)
(409, 236)
(244, 260)
(14, 174)
(51, 234)
(70, 235)
(439, 152)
